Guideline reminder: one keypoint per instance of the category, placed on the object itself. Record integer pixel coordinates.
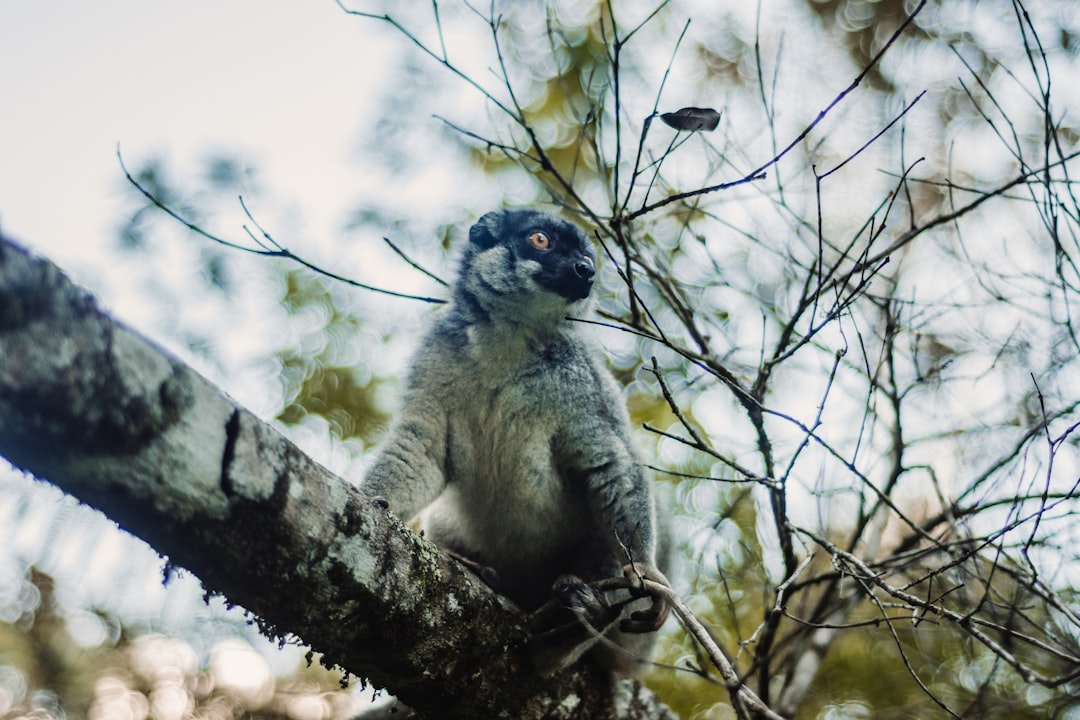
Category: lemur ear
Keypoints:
(487, 230)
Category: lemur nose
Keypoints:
(584, 269)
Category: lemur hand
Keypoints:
(650, 619)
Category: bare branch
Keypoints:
(265, 245)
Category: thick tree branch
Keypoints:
(92, 407)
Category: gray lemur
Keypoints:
(513, 445)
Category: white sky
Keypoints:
(283, 83)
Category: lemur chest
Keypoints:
(500, 439)
(504, 432)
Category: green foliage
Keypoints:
(561, 112)
(322, 374)
(39, 660)
(152, 175)
(48, 674)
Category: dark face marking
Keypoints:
(571, 277)
(567, 264)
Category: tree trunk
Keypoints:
(113, 420)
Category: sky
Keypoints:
(286, 83)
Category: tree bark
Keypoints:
(92, 407)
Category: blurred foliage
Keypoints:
(862, 26)
(115, 672)
(152, 175)
(323, 375)
(224, 176)
(319, 359)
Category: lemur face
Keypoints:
(567, 267)
(553, 253)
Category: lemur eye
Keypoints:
(540, 240)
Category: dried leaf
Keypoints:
(692, 119)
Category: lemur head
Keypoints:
(524, 264)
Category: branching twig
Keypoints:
(760, 171)
(265, 245)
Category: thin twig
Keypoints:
(266, 245)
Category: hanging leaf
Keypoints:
(692, 118)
